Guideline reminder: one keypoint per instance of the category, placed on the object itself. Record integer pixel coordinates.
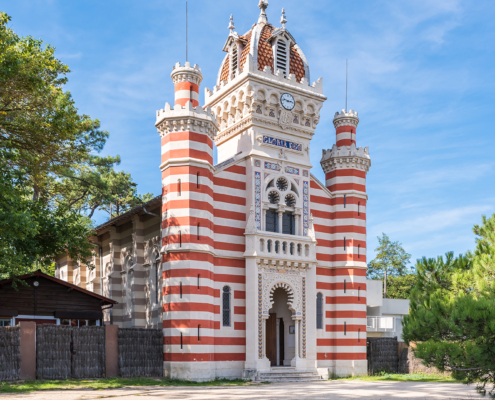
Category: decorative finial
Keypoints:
(263, 5)
(231, 24)
(283, 20)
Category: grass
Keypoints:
(418, 377)
(107, 383)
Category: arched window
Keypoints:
(197, 180)
(154, 275)
(179, 188)
(319, 311)
(288, 223)
(281, 59)
(226, 306)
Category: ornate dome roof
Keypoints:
(262, 42)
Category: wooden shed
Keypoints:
(48, 300)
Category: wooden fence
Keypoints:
(63, 352)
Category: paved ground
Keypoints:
(303, 390)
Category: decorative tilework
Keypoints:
(257, 163)
(305, 207)
(260, 318)
(297, 181)
(308, 123)
(272, 113)
(258, 109)
(305, 172)
(292, 170)
(282, 143)
(304, 318)
(272, 166)
(257, 198)
(296, 119)
(266, 175)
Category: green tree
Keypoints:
(452, 313)
(32, 232)
(400, 287)
(391, 260)
(51, 176)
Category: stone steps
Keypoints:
(285, 374)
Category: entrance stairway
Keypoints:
(287, 374)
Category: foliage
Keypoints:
(452, 314)
(51, 174)
(108, 383)
(400, 287)
(391, 258)
(31, 232)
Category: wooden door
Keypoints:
(271, 338)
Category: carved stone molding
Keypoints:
(291, 283)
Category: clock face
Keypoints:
(287, 101)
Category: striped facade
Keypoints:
(252, 262)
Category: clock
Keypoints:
(287, 101)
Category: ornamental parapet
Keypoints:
(345, 157)
(186, 118)
(345, 118)
(281, 250)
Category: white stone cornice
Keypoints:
(186, 73)
(348, 157)
(346, 119)
(187, 118)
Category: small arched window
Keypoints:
(226, 306)
(319, 311)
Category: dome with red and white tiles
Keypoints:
(269, 46)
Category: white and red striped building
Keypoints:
(252, 262)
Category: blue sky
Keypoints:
(421, 76)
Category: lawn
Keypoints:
(107, 383)
(418, 377)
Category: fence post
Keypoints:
(28, 350)
(111, 351)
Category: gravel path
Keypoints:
(293, 390)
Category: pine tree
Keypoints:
(452, 314)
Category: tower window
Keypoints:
(234, 60)
(179, 187)
(281, 61)
(197, 180)
(226, 306)
(180, 239)
(359, 204)
(345, 197)
(198, 280)
(359, 293)
(199, 326)
(344, 243)
(319, 311)
(345, 285)
(359, 250)
(181, 342)
(359, 334)
(180, 290)
(345, 328)
(198, 232)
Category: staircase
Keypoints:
(287, 374)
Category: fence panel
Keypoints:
(88, 352)
(382, 354)
(140, 352)
(53, 356)
(10, 353)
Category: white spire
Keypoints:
(231, 24)
(283, 20)
(263, 4)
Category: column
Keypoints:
(297, 339)
(263, 220)
(280, 214)
(297, 220)
(264, 338)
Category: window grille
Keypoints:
(234, 59)
(288, 223)
(226, 306)
(282, 57)
(319, 311)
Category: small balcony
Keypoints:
(272, 245)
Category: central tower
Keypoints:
(267, 111)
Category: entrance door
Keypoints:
(271, 338)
